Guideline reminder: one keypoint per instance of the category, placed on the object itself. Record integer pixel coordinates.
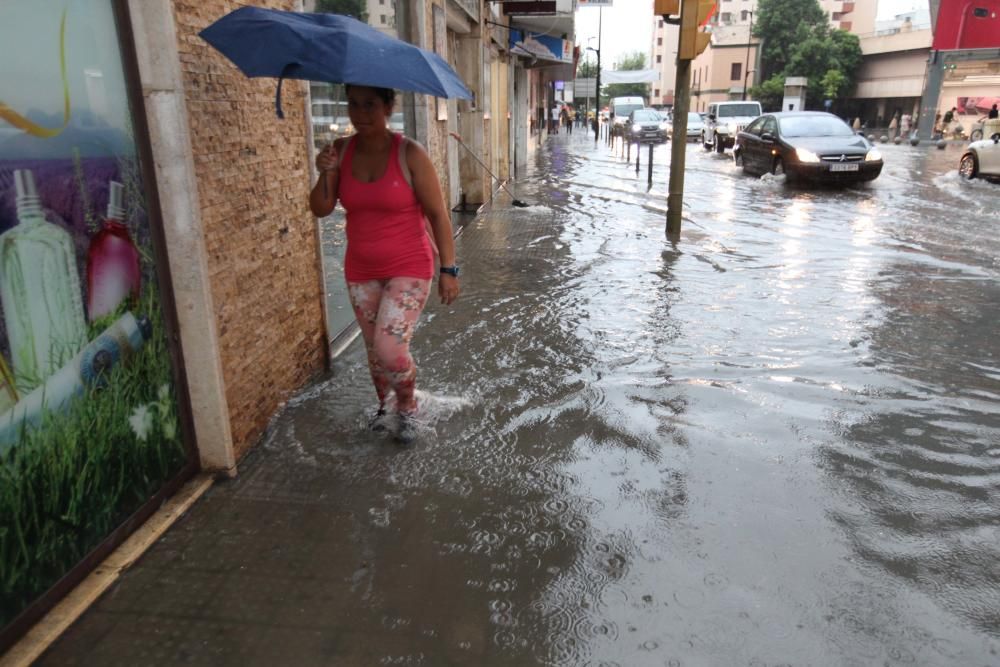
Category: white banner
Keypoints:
(629, 76)
(594, 3)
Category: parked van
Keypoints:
(621, 107)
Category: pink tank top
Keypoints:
(386, 234)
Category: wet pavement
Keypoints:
(775, 442)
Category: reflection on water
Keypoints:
(775, 442)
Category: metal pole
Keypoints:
(746, 66)
(637, 152)
(649, 176)
(597, 93)
(678, 149)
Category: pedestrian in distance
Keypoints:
(904, 125)
(949, 116)
(893, 124)
(993, 112)
(554, 124)
(396, 222)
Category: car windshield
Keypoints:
(623, 110)
(814, 126)
(641, 116)
(732, 110)
(694, 117)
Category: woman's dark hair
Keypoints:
(387, 95)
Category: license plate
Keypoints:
(845, 166)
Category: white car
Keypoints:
(695, 126)
(982, 159)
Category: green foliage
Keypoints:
(817, 56)
(770, 93)
(782, 25)
(797, 41)
(356, 8)
(834, 83)
(586, 70)
(628, 62)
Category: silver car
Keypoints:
(694, 128)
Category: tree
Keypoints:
(628, 62)
(819, 55)
(781, 25)
(586, 70)
(834, 84)
(770, 93)
(356, 8)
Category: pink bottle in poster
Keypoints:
(112, 261)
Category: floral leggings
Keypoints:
(387, 311)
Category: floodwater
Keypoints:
(775, 442)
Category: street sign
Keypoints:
(594, 3)
(585, 87)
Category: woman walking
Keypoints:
(387, 185)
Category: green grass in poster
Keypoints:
(73, 479)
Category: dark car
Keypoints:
(646, 126)
(809, 146)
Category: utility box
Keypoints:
(795, 93)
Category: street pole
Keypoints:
(746, 66)
(678, 149)
(597, 92)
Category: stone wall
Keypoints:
(260, 237)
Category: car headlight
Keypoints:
(806, 155)
(636, 129)
(873, 155)
(664, 125)
(733, 128)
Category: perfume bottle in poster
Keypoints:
(89, 368)
(112, 261)
(40, 291)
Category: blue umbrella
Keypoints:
(330, 48)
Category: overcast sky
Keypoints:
(626, 27)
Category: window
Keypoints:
(726, 17)
(661, 23)
(656, 92)
(744, 15)
(659, 41)
(382, 19)
(659, 59)
(736, 71)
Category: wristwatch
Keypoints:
(450, 270)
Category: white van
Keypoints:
(621, 107)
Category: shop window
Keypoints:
(88, 406)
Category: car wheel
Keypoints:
(779, 167)
(738, 158)
(976, 135)
(705, 143)
(968, 168)
(719, 147)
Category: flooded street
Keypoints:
(778, 440)
(775, 442)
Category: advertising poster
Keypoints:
(88, 417)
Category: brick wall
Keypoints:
(253, 185)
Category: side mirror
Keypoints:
(766, 136)
(711, 116)
(996, 137)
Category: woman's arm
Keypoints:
(322, 199)
(428, 190)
